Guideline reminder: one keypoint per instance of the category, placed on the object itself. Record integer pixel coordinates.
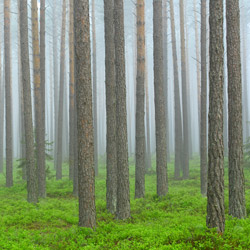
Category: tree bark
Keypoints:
(203, 98)
(31, 170)
(1, 111)
(160, 117)
(40, 142)
(237, 204)
(8, 95)
(61, 97)
(86, 172)
(140, 96)
(184, 95)
(123, 193)
(215, 188)
(72, 92)
(111, 162)
(177, 104)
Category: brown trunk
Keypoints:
(86, 171)
(8, 95)
(203, 129)
(94, 87)
(61, 97)
(31, 170)
(140, 96)
(111, 181)
(184, 95)
(160, 118)
(165, 75)
(72, 92)
(1, 111)
(123, 194)
(237, 204)
(215, 188)
(177, 104)
(40, 143)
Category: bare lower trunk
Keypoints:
(237, 204)
(215, 188)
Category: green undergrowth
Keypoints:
(177, 221)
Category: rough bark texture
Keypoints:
(215, 188)
(94, 87)
(123, 193)
(40, 143)
(160, 118)
(177, 104)
(42, 66)
(140, 96)
(8, 95)
(111, 179)
(71, 92)
(1, 111)
(86, 172)
(61, 97)
(165, 71)
(184, 95)
(237, 204)
(203, 98)
(31, 170)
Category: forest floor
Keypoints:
(177, 221)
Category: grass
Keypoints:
(177, 221)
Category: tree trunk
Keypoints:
(111, 162)
(215, 188)
(177, 104)
(237, 204)
(61, 97)
(140, 96)
(72, 93)
(8, 95)
(184, 95)
(31, 170)
(203, 127)
(1, 111)
(42, 65)
(94, 87)
(160, 118)
(165, 70)
(123, 194)
(86, 171)
(40, 142)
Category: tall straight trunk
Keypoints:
(75, 177)
(165, 75)
(61, 97)
(225, 111)
(198, 68)
(51, 119)
(177, 103)
(31, 170)
(72, 92)
(21, 153)
(160, 117)
(203, 129)
(1, 111)
(111, 161)
(40, 140)
(140, 104)
(8, 95)
(184, 95)
(215, 187)
(123, 194)
(148, 150)
(55, 67)
(94, 87)
(86, 171)
(42, 63)
(237, 204)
